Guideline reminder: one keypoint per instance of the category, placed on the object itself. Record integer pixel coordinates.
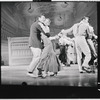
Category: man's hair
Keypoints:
(40, 15)
(84, 17)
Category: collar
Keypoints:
(42, 23)
(86, 23)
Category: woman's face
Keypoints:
(47, 22)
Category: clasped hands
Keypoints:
(62, 31)
(60, 34)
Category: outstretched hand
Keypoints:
(60, 34)
(96, 37)
(62, 31)
(56, 36)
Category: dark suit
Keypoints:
(35, 45)
(35, 36)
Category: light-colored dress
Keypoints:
(48, 61)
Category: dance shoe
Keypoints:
(42, 76)
(54, 74)
(44, 73)
(68, 65)
(87, 69)
(82, 71)
(50, 73)
(32, 75)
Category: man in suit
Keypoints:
(79, 31)
(35, 45)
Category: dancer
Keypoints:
(35, 45)
(89, 36)
(48, 61)
(64, 42)
(79, 32)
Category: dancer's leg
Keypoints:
(36, 57)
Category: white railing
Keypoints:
(19, 52)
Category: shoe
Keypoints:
(44, 74)
(32, 75)
(68, 65)
(82, 71)
(39, 69)
(86, 69)
(54, 74)
(62, 65)
(50, 73)
(41, 76)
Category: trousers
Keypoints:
(36, 57)
(82, 47)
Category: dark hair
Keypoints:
(41, 15)
(85, 17)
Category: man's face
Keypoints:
(42, 18)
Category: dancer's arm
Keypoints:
(90, 31)
(41, 28)
(95, 36)
(65, 32)
(54, 37)
(90, 42)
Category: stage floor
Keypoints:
(68, 76)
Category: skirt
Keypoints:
(49, 61)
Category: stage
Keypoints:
(68, 76)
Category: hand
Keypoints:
(56, 37)
(96, 37)
(62, 31)
(59, 34)
(72, 44)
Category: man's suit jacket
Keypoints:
(35, 36)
